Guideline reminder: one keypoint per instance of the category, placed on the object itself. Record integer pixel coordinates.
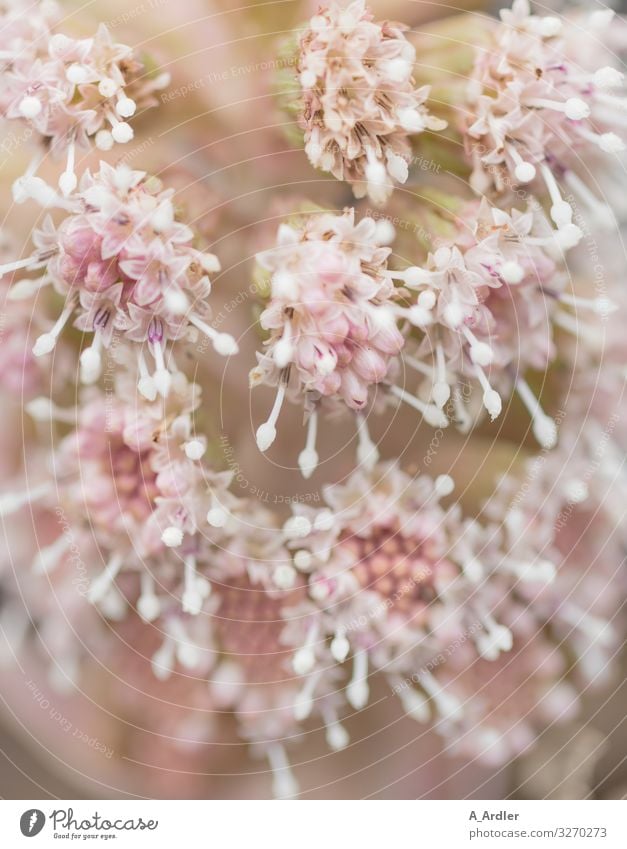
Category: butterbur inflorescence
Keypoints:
(359, 104)
(67, 90)
(463, 568)
(537, 110)
(127, 269)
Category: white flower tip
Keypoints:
(44, 344)
(576, 109)
(481, 354)
(176, 301)
(284, 576)
(608, 78)
(297, 527)
(453, 314)
(303, 661)
(30, 107)
(545, 431)
(225, 345)
(285, 286)
(308, 462)
(194, 449)
(440, 393)
(67, 182)
(427, 299)
(473, 570)
(104, 140)
(147, 388)
(172, 537)
(307, 79)
(283, 353)
(191, 602)
(512, 272)
(414, 276)
(434, 416)
(340, 648)
(398, 70)
(337, 737)
(569, 236)
(562, 213)
(40, 409)
(148, 607)
(525, 172)
(324, 520)
(217, 517)
(411, 120)
(444, 485)
(303, 560)
(385, 232)
(77, 74)
(419, 316)
(266, 434)
(492, 402)
(358, 693)
(107, 87)
(376, 173)
(125, 107)
(611, 143)
(122, 132)
(91, 365)
(550, 26)
(162, 380)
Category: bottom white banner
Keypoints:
(315, 824)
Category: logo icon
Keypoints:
(32, 822)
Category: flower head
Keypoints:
(537, 109)
(127, 268)
(329, 314)
(359, 105)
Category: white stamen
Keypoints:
(308, 457)
(46, 342)
(574, 108)
(543, 427)
(68, 180)
(42, 409)
(284, 785)
(163, 660)
(358, 691)
(266, 433)
(194, 449)
(47, 558)
(297, 527)
(223, 343)
(11, 502)
(340, 647)
(30, 107)
(284, 576)
(304, 700)
(491, 398)
(414, 704)
(148, 604)
(192, 599)
(480, 352)
(172, 537)
(431, 414)
(336, 735)
(125, 107)
(101, 585)
(367, 451)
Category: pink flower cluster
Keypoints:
(359, 103)
(537, 109)
(126, 268)
(330, 316)
(68, 90)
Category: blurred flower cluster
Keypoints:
(424, 489)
